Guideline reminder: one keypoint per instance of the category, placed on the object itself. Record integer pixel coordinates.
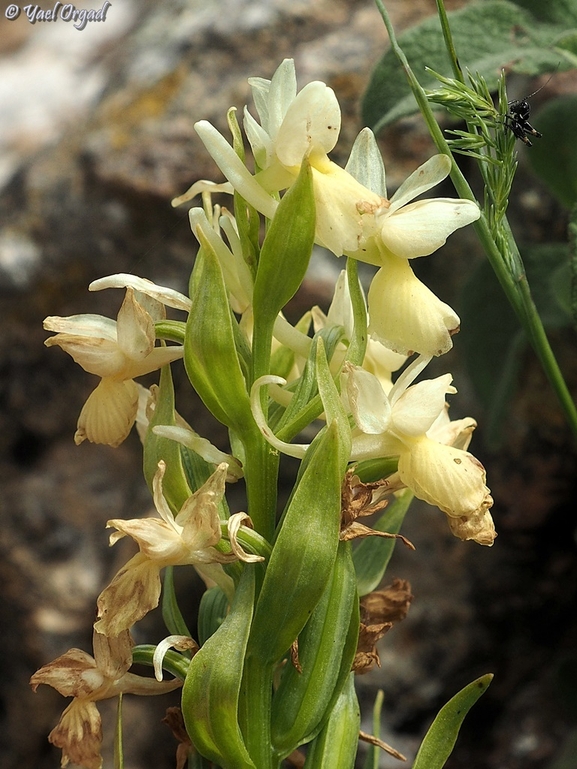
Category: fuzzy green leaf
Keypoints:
(488, 36)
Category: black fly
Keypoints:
(517, 120)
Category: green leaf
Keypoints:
(171, 613)
(493, 341)
(358, 343)
(336, 745)
(175, 486)
(211, 357)
(442, 735)
(211, 690)
(372, 555)
(560, 11)
(283, 262)
(306, 404)
(554, 156)
(373, 753)
(487, 36)
(303, 554)
(211, 613)
(326, 649)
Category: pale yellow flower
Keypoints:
(88, 680)
(411, 422)
(117, 351)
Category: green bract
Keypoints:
(212, 686)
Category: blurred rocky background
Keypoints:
(96, 137)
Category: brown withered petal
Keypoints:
(67, 674)
(388, 605)
(358, 499)
(294, 650)
(478, 527)
(175, 722)
(79, 735)
(382, 745)
(356, 530)
(296, 759)
(365, 661)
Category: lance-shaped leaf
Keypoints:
(175, 487)
(283, 262)
(372, 555)
(211, 689)
(210, 354)
(336, 744)
(326, 648)
(442, 735)
(303, 554)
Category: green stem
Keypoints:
(448, 36)
(517, 291)
(261, 474)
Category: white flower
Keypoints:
(117, 351)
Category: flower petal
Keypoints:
(79, 735)
(297, 450)
(367, 401)
(109, 413)
(428, 175)
(187, 437)
(479, 527)
(167, 296)
(405, 315)
(311, 124)
(234, 524)
(420, 228)
(96, 326)
(66, 674)
(365, 163)
(234, 169)
(180, 642)
(340, 202)
(198, 515)
(135, 328)
(134, 591)
(420, 405)
(449, 478)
